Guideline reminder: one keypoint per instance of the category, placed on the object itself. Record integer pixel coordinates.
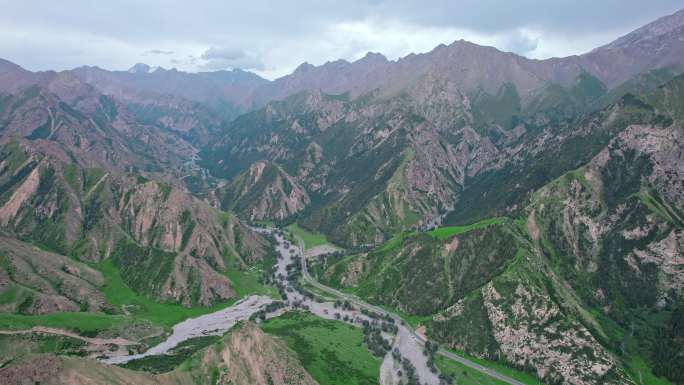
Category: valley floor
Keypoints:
(327, 338)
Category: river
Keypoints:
(404, 341)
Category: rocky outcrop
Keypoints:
(532, 332)
(619, 217)
(264, 192)
(252, 357)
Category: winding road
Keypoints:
(358, 302)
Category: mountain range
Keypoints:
(525, 211)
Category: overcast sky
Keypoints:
(272, 37)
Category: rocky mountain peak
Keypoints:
(373, 58)
(140, 68)
(304, 68)
(658, 45)
(8, 66)
(664, 26)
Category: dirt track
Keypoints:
(93, 341)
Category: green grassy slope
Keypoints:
(310, 239)
(331, 351)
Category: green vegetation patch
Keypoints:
(247, 280)
(41, 132)
(464, 375)
(79, 322)
(642, 373)
(310, 239)
(119, 294)
(442, 233)
(163, 363)
(331, 351)
(423, 273)
(13, 347)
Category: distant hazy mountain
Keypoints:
(470, 66)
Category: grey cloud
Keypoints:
(223, 53)
(519, 43)
(277, 35)
(494, 16)
(218, 58)
(158, 52)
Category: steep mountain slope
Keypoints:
(587, 279)
(444, 270)
(545, 155)
(342, 153)
(82, 176)
(570, 268)
(37, 282)
(97, 129)
(458, 134)
(262, 192)
(657, 45)
(483, 290)
(471, 67)
(377, 165)
(94, 214)
(614, 231)
(245, 356)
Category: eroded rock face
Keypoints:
(604, 238)
(9, 210)
(513, 318)
(196, 236)
(623, 208)
(147, 227)
(265, 192)
(532, 332)
(245, 356)
(252, 357)
(615, 227)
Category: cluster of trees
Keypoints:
(447, 379)
(668, 357)
(373, 331)
(373, 315)
(429, 350)
(408, 369)
(268, 276)
(298, 304)
(346, 318)
(281, 290)
(294, 270)
(374, 341)
(269, 308)
(344, 305)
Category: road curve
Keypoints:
(358, 302)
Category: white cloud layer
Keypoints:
(272, 38)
